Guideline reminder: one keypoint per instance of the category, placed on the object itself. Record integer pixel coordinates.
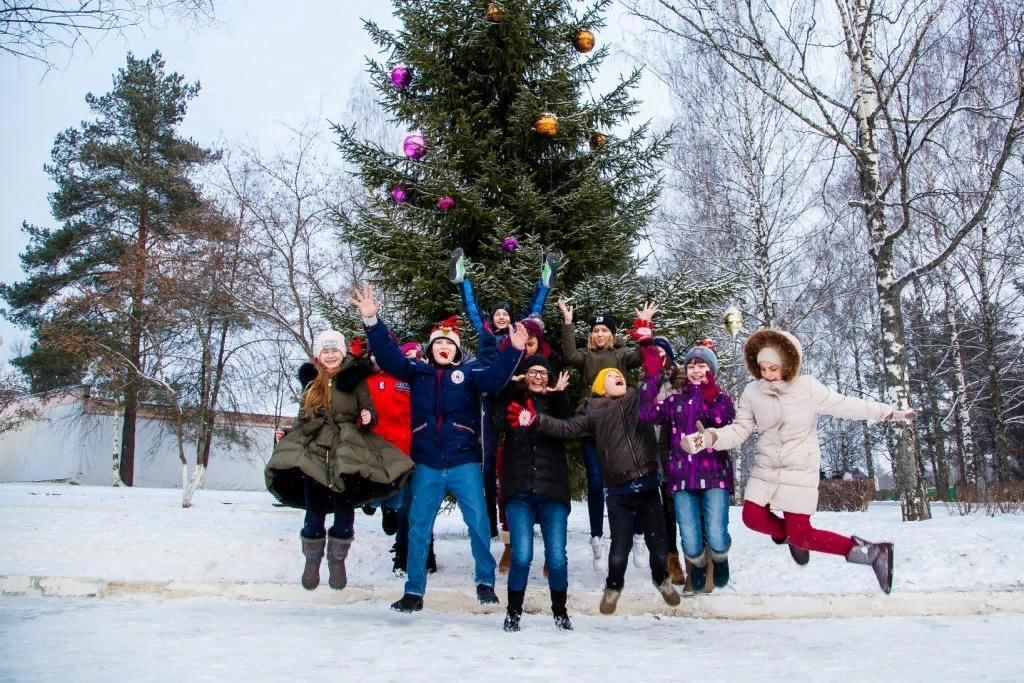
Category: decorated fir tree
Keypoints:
(508, 155)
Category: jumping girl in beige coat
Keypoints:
(783, 406)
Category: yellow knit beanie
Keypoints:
(598, 386)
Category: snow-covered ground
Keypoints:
(232, 538)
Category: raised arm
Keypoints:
(492, 378)
(570, 354)
(384, 348)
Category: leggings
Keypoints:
(795, 528)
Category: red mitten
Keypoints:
(711, 390)
(519, 415)
(642, 331)
(653, 362)
(357, 346)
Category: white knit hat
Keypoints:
(447, 329)
(328, 339)
(769, 354)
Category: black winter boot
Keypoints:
(431, 559)
(720, 569)
(337, 551)
(409, 603)
(313, 549)
(515, 610)
(878, 555)
(401, 553)
(562, 621)
(698, 576)
(389, 521)
(485, 594)
(799, 555)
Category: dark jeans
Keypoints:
(669, 507)
(523, 512)
(320, 502)
(595, 488)
(622, 514)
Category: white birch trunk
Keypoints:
(116, 444)
(971, 468)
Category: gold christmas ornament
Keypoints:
(733, 321)
(583, 41)
(496, 13)
(597, 141)
(546, 125)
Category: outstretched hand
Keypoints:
(518, 336)
(562, 384)
(648, 311)
(365, 302)
(698, 441)
(519, 415)
(565, 310)
(908, 415)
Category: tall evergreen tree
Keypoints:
(484, 79)
(123, 187)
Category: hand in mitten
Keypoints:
(653, 362)
(519, 415)
(708, 437)
(904, 415)
(642, 331)
(710, 389)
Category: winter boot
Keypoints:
(431, 558)
(514, 611)
(799, 555)
(675, 570)
(485, 594)
(457, 266)
(549, 271)
(698, 577)
(562, 621)
(409, 603)
(389, 521)
(668, 592)
(597, 547)
(337, 551)
(609, 600)
(401, 553)
(720, 569)
(505, 563)
(878, 555)
(313, 549)
(639, 551)
(369, 510)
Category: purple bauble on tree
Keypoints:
(401, 76)
(445, 204)
(415, 146)
(509, 244)
(399, 194)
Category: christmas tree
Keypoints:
(508, 155)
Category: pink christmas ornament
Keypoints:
(510, 244)
(445, 204)
(399, 194)
(401, 76)
(415, 146)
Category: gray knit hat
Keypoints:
(703, 354)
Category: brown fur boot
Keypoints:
(313, 550)
(506, 556)
(675, 571)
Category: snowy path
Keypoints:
(212, 640)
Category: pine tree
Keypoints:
(482, 75)
(123, 187)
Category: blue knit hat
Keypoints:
(666, 346)
(703, 354)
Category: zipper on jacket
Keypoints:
(625, 433)
(437, 409)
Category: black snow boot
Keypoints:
(389, 521)
(562, 621)
(799, 555)
(515, 609)
(337, 551)
(698, 576)
(313, 550)
(485, 594)
(431, 559)
(401, 553)
(409, 603)
(720, 570)
(878, 555)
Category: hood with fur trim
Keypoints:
(785, 343)
(353, 371)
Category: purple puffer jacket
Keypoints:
(709, 469)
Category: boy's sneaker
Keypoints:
(549, 270)
(597, 547)
(485, 594)
(409, 603)
(609, 600)
(639, 551)
(457, 266)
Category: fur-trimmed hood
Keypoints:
(785, 343)
(353, 371)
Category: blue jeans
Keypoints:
(522, 512)
(703, 517)
(429, 486)
(595, 487)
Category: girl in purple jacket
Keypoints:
(700, 483)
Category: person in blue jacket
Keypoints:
(446, 393)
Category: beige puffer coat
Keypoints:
(785, 415)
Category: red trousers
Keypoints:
(796, 529)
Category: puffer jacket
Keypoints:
(592, 362)
(785, 415)
(626, 446)
(334, 450)
(445, 400)
(534, 462)
(678, 415)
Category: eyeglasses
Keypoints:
(536, 373)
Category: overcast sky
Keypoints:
(262, 64)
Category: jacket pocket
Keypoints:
(468, 430)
